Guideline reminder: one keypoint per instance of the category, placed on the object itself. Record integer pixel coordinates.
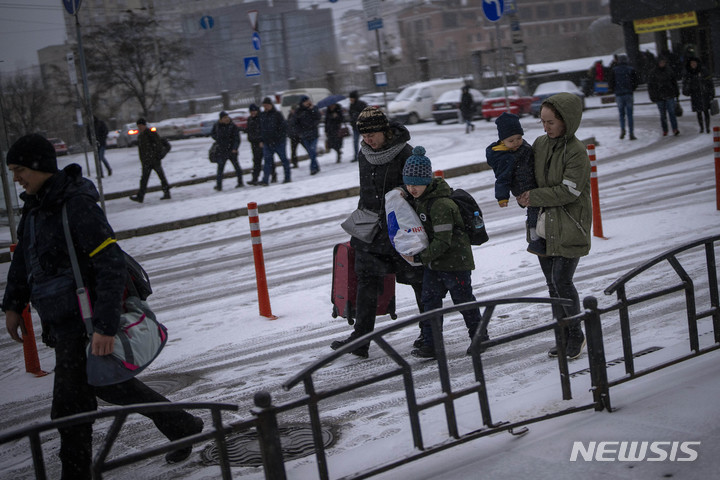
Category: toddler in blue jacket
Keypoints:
(513, 162)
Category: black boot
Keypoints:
(361, 351)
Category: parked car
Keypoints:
(60, 146)
(414, 103)
(377, 100)
(199, 125)
(447, 106)
(127, 136)
(292, 97)
(172, 128)
(548, 89)
(112, 139)
(494, 104)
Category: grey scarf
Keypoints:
(381, 157)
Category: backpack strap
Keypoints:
(81, 292)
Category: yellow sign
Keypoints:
(665, 22)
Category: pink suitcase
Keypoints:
(344, 286)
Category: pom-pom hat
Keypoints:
(372, 120)
(417, 169)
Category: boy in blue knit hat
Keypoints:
(448, 259)
(513, 162)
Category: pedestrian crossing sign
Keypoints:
(252, 66)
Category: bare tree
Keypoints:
(24, 102)
(134, 61)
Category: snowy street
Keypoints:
(656, 193)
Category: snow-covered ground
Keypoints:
(655, 193)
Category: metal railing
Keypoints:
(683, 283)
(265, 414)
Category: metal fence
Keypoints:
(265, 414)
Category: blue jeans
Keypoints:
(667, 106)
(434, 288)
(310, 144)
(625, 107)
(101, 156)
(221, 169)
(268, 152)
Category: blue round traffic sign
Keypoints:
(493, 9)
(256, 40)
(207, 22)
(72, 6)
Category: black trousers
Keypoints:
(257, 156)
(221, 170)
(147, 168)
(559, 273)
(371, 270)
(72, 395)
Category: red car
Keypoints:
(240, 117)
(60, 147)
(494, 104)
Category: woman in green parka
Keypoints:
(562, 171)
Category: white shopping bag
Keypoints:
(404, 226)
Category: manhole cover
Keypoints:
(244, 448)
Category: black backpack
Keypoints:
(166, 147)
(468, 206)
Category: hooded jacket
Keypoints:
(449, 249)
(562, 171)
(40, 271)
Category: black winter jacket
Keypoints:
(354, 111)
(273, 128)
(662, 84)
(254, 135)
(306, 122)
(375, 182)
(227, 136)
(40, 271)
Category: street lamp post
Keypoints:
(5, 183)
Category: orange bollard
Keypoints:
(597, 217)
(439, 173)
(263, 297)
(30, 351)
(32, 361)
(716, 148)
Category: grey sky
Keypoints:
(25, 27)
(29, 25)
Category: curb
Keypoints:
(262, 208)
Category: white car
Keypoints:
(548, 89)
(112, 139)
